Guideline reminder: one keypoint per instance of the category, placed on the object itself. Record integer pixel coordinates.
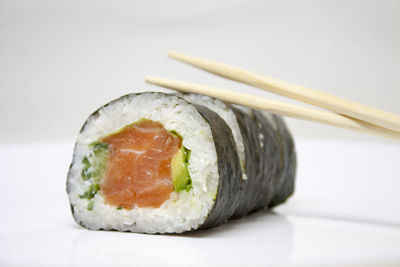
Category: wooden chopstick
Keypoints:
(277, 107)
(333, 103)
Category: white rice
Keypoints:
(229, 117)
(184, 210)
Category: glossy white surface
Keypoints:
(345, 211)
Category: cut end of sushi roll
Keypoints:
(150, 163)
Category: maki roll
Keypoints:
(157, 163)
(153, 163)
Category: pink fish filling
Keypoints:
(138, 170)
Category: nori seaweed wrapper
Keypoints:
(285, 182)
(270, 159)
(270, 162)
(229, 169)
(250, 187)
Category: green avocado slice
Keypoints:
(179, 170)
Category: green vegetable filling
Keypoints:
(90, 205)
(94, 169)
(179, 168)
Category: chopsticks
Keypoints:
(281, 108)
(351, 115)
(333, 103)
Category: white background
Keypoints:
(61, 60)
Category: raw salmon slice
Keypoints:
(138, 170)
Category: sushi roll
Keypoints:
(157, 163)
(153, 163)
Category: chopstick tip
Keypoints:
(171, 53)
(149, 79)
(177, 55)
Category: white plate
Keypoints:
(345, 211)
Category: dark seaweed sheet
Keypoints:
(285, 182)
(253, 168)
(230, 174)
(270, 159)
(266, 168)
